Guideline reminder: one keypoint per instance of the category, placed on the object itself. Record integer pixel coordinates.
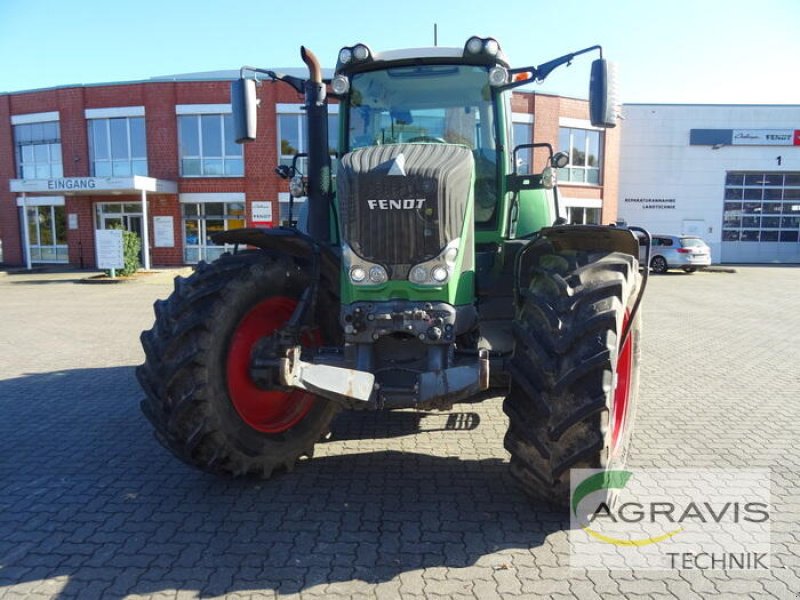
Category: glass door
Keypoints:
(119, 215)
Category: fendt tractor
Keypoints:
(431, 269)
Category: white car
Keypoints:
(685, 252)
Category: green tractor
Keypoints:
(428, 272)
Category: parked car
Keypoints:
(687, 252)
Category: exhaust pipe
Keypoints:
(320, 195)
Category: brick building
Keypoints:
(157, 157)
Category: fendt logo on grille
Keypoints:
(403, 204)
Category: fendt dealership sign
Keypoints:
(744, 137)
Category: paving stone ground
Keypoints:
(400, 505)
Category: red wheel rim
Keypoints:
(622, 392)
(266, 411)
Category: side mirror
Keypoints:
(244, 105)
(603, 94)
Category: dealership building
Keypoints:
(728, 173)
(158, 158)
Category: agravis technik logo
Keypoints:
(670, 518)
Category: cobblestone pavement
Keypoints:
(400, 505)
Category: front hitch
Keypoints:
(340, 384)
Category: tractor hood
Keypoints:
(403, 204)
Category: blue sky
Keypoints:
(700, 51)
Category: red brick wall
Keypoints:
(260, 182)
(547, 110)
(9, 215)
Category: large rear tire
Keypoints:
(573, 389)
(199, 395)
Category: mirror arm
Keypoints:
(541, 72)
(295, 82)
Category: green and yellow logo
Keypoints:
(609, 480)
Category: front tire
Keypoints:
(199, 395)
(574, 388)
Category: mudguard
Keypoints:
(286, 241)
(592, 237)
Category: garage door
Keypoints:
(761, 217)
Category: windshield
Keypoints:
(429, 103)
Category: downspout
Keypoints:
(319, 161)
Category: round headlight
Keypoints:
(377, 274)
(361, 52)
(474, 45)
(491, 47)
(439, 274)
(357, 274)
(340, 84)
(419, 274)
(497, 76)
(450, 255)
(345, 55)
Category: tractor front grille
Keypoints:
(401, 204)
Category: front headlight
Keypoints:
(439, 274)
(419, 274)
(377, 274)
(438, 270)
(340, 84)
(360, 271)
(357, 274)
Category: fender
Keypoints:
(287, 241)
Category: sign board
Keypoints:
(108, 243)
(261, 213)
(72, 219)
(93, 185)
(744, 137)
(765, 137)
(163, 232)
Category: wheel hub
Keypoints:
(268, 411)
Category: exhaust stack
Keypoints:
(319, 161)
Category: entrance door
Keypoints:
(128, 216)
(694, 227)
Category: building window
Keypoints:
(47, 233)
(761, 207)
(201, 220)
(580, 215)
(117, 147)
(292, 137)
(38, 149)
(207, 146)
(583, 147)
(522, 133)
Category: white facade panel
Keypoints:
(42, 117)
(117, 111)
(666, 183)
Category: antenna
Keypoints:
(435, 35)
